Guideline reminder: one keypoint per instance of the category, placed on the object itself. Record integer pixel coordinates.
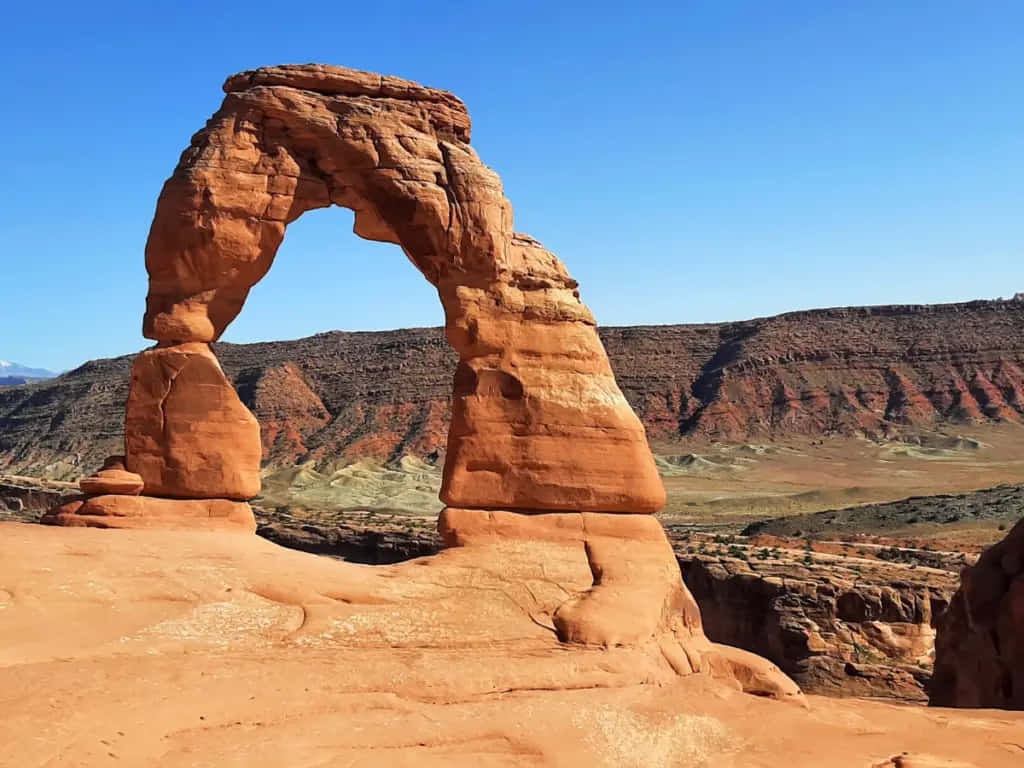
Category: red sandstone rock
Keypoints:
(118, 511)
(112, 478)
(637, 589)
(979, 646)
(186, 432)
(635, 593)
(116, 481)
(538, 420)
(380, 395)
(173, 648)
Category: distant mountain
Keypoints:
(15, 369)
(13, 374)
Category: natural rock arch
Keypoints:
(542, 446)
(538, 421)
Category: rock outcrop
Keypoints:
(134, 511)
(546, 465)
(979, 646)
(838, 626)
(186, 432)
(385, 394)
(538, 421)
(112, 478)
(26, 499)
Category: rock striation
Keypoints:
(112, 478)
(979, 646)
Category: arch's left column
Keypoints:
(192, 451)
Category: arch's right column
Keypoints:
(545, 453)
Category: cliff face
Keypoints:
(979, 649)
(871, 370)
(839, 627)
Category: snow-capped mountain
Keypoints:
(15, 370)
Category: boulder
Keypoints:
(979, 645)
(119, 511)
(112, 478)
(187, 434)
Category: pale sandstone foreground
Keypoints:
(172, 648)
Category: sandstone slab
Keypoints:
(161, 646)
(120, 511)
(117, 481)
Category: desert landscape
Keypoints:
(519, 539)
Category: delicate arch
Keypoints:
(538, 420)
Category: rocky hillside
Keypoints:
(868, 370)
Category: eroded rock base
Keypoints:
(626, 589)
(119, 511)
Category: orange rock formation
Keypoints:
(538, 420)
(979, 648)
(184, 648)
(543, 450)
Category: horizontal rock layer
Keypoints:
(874, 370)
(836, 627)
(117, 511)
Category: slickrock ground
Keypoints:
(843, 612)
(840, 620)
(879, 371)
(180, 649)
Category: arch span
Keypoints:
(539, 422)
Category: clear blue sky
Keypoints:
(689, 161)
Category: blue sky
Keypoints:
(689, 161)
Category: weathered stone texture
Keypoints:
(979, 646)
(538, 421)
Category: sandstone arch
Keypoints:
(538, 420)
(544, 453)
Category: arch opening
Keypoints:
(327, 278)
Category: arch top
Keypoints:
(295, 137)
(328, 79)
